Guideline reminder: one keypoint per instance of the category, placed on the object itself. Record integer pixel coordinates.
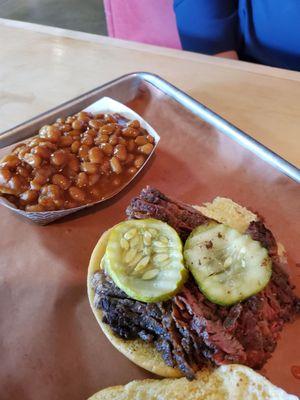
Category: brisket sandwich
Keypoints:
(190, 330)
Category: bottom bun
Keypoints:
(144, 354)
(228, 382)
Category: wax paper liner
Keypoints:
(104, 105)
(50, 343)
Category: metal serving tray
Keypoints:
(124, 89)
(200, 156)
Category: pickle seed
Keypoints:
(142, 264)
(130, 234)
(160, 257)
(147, 238)
(153, 231)
(164, 239)
(124, 244)
(150, 274)
(140, 245)
(136, 259)
(157, 243)
(135, 241)
(129, 256)
(147, 251)
(159, 250)
(228, 262)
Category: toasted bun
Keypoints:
(144, 354)
(228, 382)
(228, 212)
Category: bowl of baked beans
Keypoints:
(76, 161)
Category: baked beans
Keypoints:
(77, 160)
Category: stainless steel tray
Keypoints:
(124, 89)
(200, 156)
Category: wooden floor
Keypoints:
(79, 15)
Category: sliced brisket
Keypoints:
(151, 203)
(259, 232)
(189, 331)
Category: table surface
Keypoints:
(41, 67)
(50, 345)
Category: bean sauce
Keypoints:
(77, 160)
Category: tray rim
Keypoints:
(188, 102)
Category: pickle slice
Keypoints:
(228, 266)
(144, 259)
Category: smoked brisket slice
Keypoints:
(151, 203)
(189, 331)
(190, 334)
(259, 232)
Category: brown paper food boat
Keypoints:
(104, 105)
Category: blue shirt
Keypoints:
(262, 31)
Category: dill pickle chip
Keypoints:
(227, 265)
(136, 263)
